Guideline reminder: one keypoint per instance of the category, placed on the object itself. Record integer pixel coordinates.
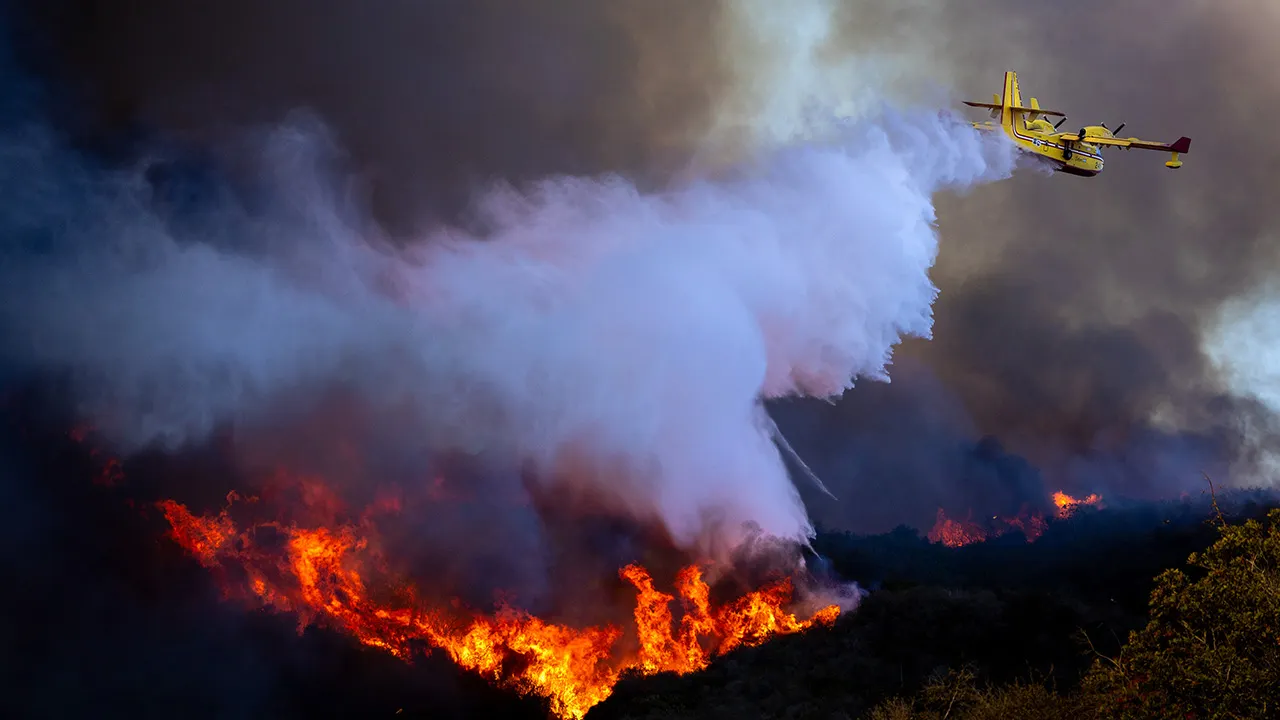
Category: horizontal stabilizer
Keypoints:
(1038, 111)
(996, 106)
(1181, 145)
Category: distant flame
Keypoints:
(958, 533)
(322, 573)
(955, 533)
(1067, 504)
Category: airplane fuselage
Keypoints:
(1072, 158)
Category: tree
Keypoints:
(1211, 648)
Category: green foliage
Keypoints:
(1212, 646)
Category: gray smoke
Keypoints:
(1073, 314)
(611, 340)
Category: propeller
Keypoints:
(1118, 129)
(1059, 123)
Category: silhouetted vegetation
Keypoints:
(1005, 629)
(1102, 616)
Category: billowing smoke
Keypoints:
(1077, 320)
(613, 340)
(572, 273)
(1071, 320)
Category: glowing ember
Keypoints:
(1031, 524)
(110, 470)
(323, 574)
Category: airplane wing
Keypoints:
(1182, 145)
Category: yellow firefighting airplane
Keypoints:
(1072, 153)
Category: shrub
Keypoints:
(1211, 648)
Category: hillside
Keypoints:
(1006, 611)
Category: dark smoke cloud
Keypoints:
(431, 100)
(1074, 314)
(593, 340)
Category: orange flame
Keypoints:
(1067, 504)
(321, 574)
(202, 537)
(958, 533)
(955, 533)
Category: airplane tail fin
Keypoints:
(1007, 106)
(1176, 148)
(1012, 94)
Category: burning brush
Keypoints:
(1031, 523)
(337, 575)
